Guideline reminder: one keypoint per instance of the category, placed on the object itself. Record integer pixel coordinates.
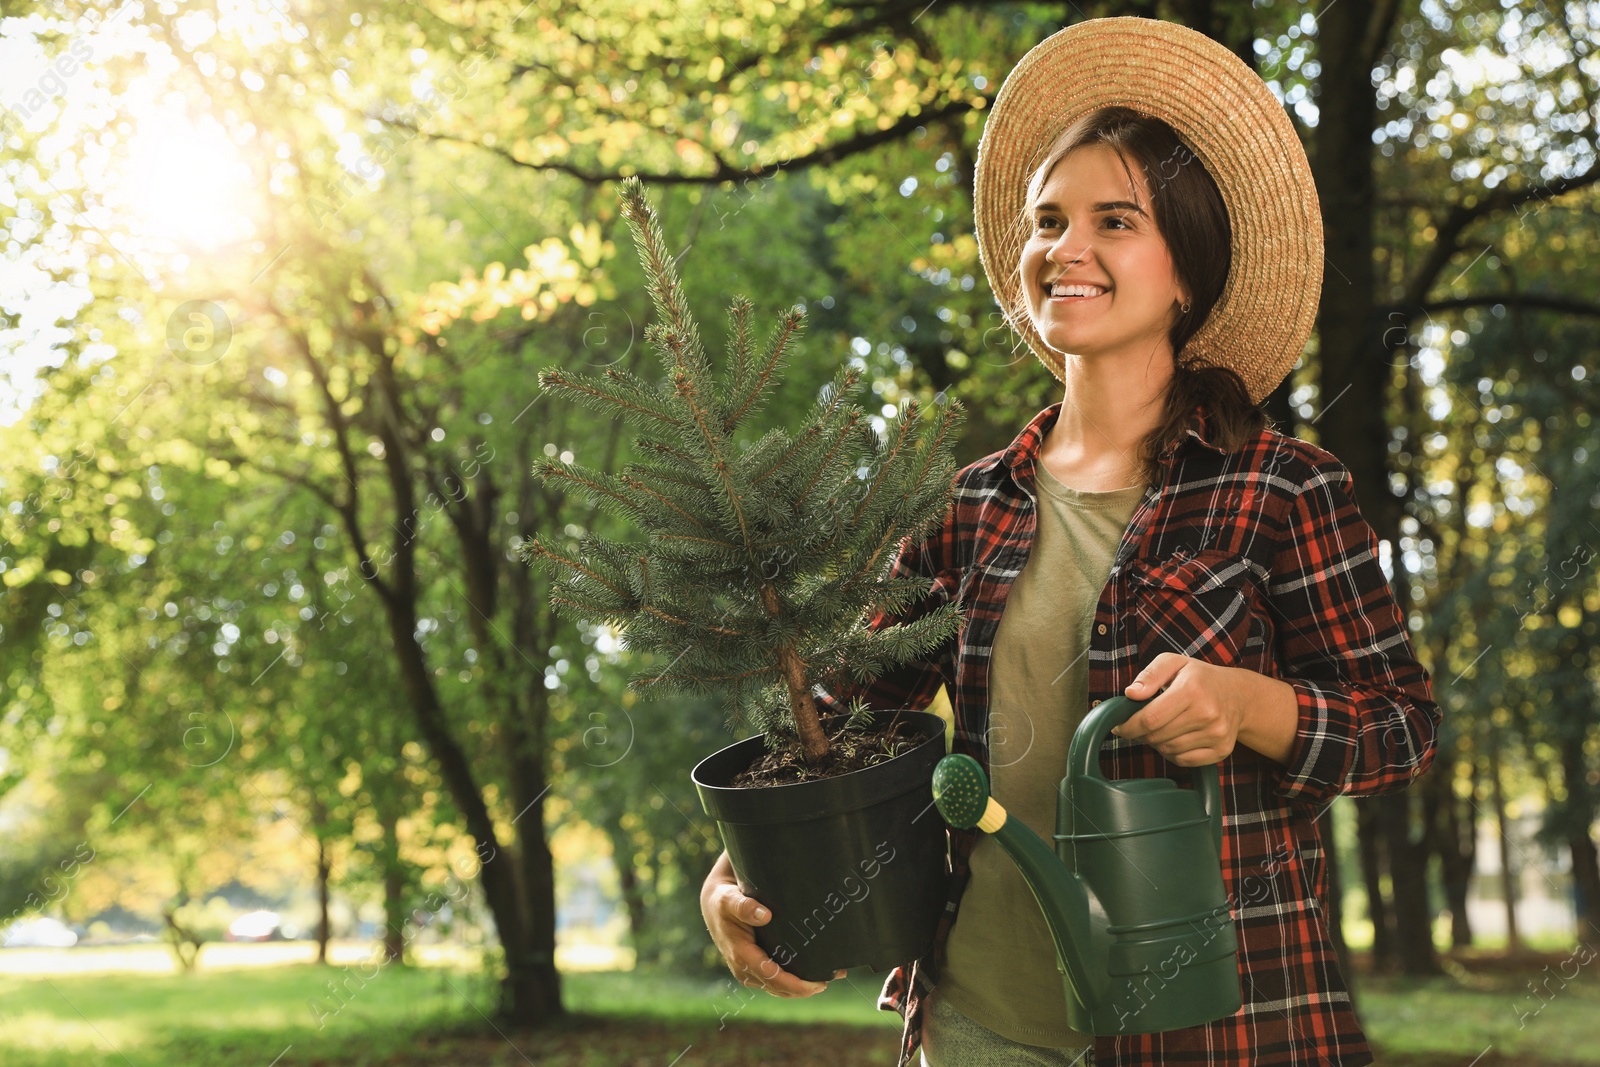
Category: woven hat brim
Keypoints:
(1228, 117)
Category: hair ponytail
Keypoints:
(1231, 418)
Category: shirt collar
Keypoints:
(1023, 452)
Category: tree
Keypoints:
(764, 561)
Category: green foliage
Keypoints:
(757, 550)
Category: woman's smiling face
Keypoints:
(1089, 226)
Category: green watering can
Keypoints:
(1133, 892)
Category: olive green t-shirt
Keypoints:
(1001, 961)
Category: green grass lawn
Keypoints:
(1488, 1005)
(433, 1017)
(304, 1014)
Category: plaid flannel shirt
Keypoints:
(1258, 558)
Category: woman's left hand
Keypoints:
(1197, 718)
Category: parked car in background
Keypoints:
(42, 932)
(256, 926)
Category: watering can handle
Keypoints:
(1083, 758)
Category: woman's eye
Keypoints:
(1052, 222)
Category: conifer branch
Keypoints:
(666, 292)
(586, 389)
(585, 608)
(650, 444)
(896, 443)
(670, 479)
(694, 540)
(849, 379)
(533, 548)
(713, 442)
(549, 471)
(664, 679)
(783, 460)
(850, 424)
(941, 432)
(739, 351)
(634, 483)
(753, 389)
(687, 624)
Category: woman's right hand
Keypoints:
(731, 918)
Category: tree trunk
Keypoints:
(1508, 881)
(1457, 872)
(533, 986)
(1333, 906)
(525, 996)
(518, 883)
(1408, 878)
(1355, 381)
(1355, 385)
(324, 923)
(394, 919)
(1430, 800)
(1370, 840)
(530, 989)
(1443, 836)
(394, 882)
(802, 706)
(394, 886)
(185, 943)
(535, 993)
(632, 891)
(1580, 814)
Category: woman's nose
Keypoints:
(1067, 250)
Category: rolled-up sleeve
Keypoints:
(1368, 722)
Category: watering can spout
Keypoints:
(1132, 892)
(961, 792)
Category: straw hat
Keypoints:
(1228, 117)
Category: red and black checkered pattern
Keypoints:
(1255, 558)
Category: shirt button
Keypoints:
(1102, 627)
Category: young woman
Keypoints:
(1152, 232)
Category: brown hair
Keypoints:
(1192, 219)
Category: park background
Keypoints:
(278, 278)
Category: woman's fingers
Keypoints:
(734, 919)
(1197, 748)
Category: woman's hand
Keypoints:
(1205, 709)
(731, 918)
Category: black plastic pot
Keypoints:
(852, 867)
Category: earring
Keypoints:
(1185, 306)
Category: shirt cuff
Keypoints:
(1323, 754)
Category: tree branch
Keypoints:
(1541, 301)
(349, 509)
(1471, 210)
(724, 171)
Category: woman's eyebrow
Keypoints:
(1108, 205)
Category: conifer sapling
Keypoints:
(765, 559)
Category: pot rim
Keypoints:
(698, 780)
